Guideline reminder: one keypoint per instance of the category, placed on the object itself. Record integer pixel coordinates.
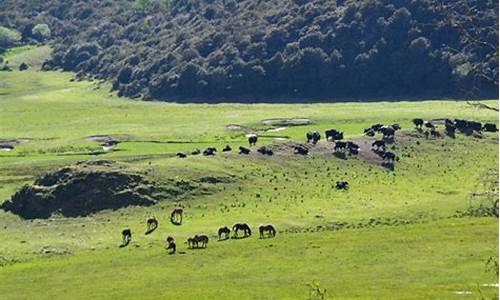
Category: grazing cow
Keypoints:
(334, 135)
(429, 125)
(449, 122)
(271, 231)
(490, 127)
(227, 149)
(176, 216)
(313, 136)
(389, 156)
(265, 151)
(342, 185)
(108, 145)
(242, 226)
(6, 147)
(252, 139)
(396, 126)
(151, 224)
(171, 247)
(210, 151)
(377, 127)
(191, 242)
(126, 237)
(244, 150)
(387, 132)
(461, 124)
(201, 239)
(299, 149)
(418, 122)
(477, 126)
(224, 231)
(340, 146)
(435, 134)
(450, 129)
(378, 144)
(369, 132)
(196, 152)
(181, 155)
(353, 148)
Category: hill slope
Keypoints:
(291, 49)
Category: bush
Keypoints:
(41, 32)
(8, 38)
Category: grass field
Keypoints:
(401, 238)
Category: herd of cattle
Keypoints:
(199, 240)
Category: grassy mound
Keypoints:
(82, 189)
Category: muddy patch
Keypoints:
(285, 122)
(88, 187)
(108, 138)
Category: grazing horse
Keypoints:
(126, 237)
(224, 231)
(265, 151)
(490, 127)
(252, 139)
(226, 149)
(171, 247)
(418, 122)
(201, 239)
(313, 136)
(340, 146)
(299, 149)
(342, 185)
(176, 216)
(271, 231)
(378, 144)
(181, 155)
(151, 224)
(244, 150)
(242, 226)
(389, 156)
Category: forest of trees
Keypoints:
(190, 50)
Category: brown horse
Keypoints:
(224, 231)
(271, 231)
(151, 224)
(176, 216)
(241, 226)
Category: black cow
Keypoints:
(299, 149)
(396, 126)
(477, 126)
(313, 136)
(388, 132)
(227, 149)
(418, 122)
(244, 150)
(389, 156)
(435, 133)
(265, 151)
(181, 155)
(429, 125)
(377, 127)
(340, 146)
(196, 152)
(490, 127)
(334, 135)
(252, 140)
(450, 129)
(342, 185)
(369, 132)
(378, 144)
(210, 151)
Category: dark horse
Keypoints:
(271, 232)
(176, 216)
(126, 237)
(152, 224)
(242, 226)
(224, 231)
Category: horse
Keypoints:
(151, 224)
(252, 139)
(201, 239)
(176, 216)
(126, 237)
(242, 226)
(271, 231)
(224, 231)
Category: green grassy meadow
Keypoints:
(401, 238)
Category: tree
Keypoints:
(41, 32)
(8, 38)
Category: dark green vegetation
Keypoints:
(423, 231)
(197, 50)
